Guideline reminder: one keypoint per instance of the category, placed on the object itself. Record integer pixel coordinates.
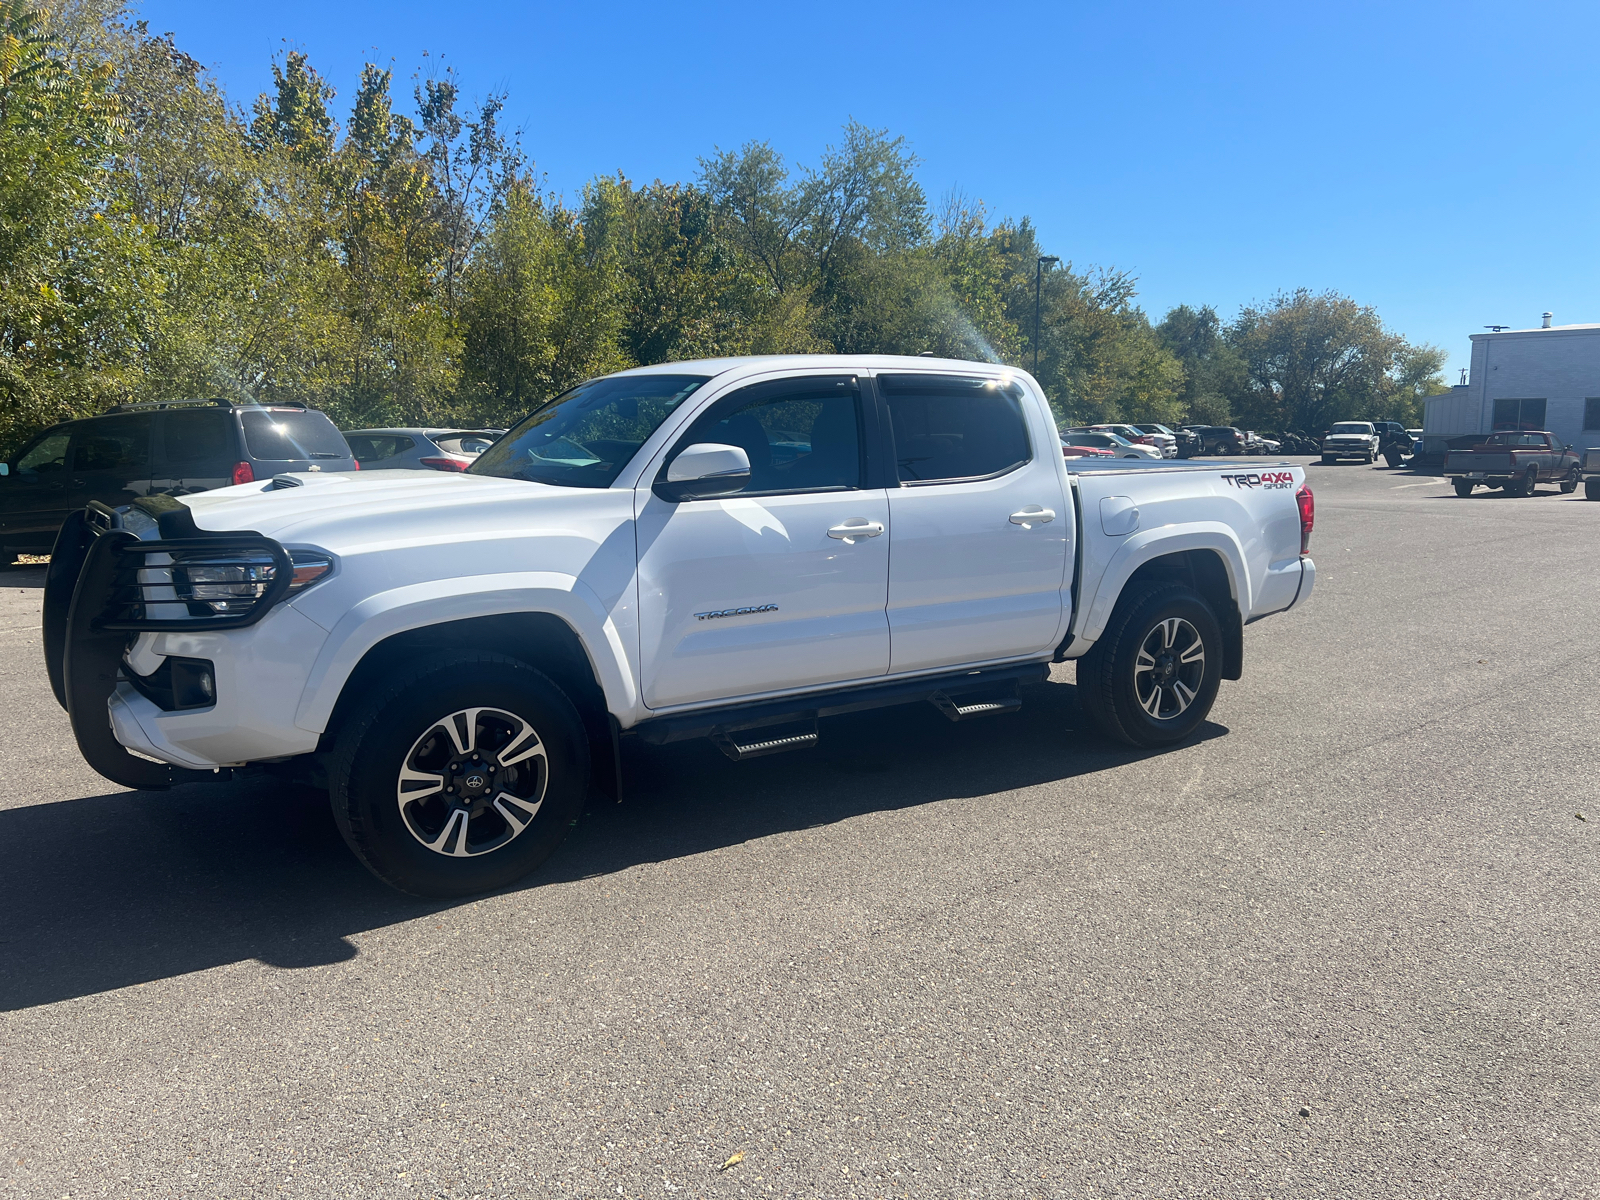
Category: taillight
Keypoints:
(357, 463)
(1308, 516)
(444, 464)
(242, 473)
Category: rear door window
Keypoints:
(118, 445)
(953, 427)
(375, 447)
(285, 434)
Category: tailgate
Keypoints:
(1465, 461)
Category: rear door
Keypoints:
(769, 589)
(979, 522)
(111, 460)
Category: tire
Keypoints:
(1123, 697)
(1591, 488)
(1529, 483)
(1463, 487)
(1370, 458)
(1570, 483)
(1327, 460)
(494, 831)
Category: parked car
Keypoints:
(419, 449)
(1264, 445)
(1591, 473)
(1517, 461)
(1140, 436)
(728, 549)
(1218, 439)
(1184, 442)
(1350, 439)
(1068, 450)
(1119, 446)
(168, 447)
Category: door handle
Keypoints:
(856, 527)
(1033, 513)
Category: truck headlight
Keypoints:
(232, 583)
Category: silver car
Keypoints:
(419, 449)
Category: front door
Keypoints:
(981, 527)
(33, 496)
(783, 585)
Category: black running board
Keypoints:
(759, 728)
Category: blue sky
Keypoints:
(1437, 161)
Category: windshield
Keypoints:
(1352, 427)
(289, 434)
(583, 438)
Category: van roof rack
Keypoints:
(216, 401)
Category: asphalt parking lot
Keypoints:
(1343, 944)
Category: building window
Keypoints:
(1519, 414)
(1591, 413)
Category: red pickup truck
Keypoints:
(1515, 460)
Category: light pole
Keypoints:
(1038, 284)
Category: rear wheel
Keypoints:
(1529, 483)
(1463, 487)
(1152, 677)
(459, 775)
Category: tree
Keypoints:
(1215, 378)
(1316, 358)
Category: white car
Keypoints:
(1096, 435)
(1158, 437)
(1350, 439)
(728, 549)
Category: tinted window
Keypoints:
(375, 447)
(800, 435)
(1090, 439)
(1591, 413)
(290, 433)
(471, 443)
(199, 436)
(46, 456)
(112, 443)
(954, 427)
(583, 438)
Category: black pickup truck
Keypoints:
(1517, 461)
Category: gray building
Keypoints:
(1545, 378)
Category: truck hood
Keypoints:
(344, 509)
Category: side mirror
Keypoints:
(705, 471)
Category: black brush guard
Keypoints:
(94, 603)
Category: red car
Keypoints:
(1068, 450)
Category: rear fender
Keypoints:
(1142, 548)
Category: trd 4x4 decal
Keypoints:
(1265, 479)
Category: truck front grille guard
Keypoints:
(105, 584)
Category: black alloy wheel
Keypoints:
(459, 774)
(1152, 676)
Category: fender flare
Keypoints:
(418, 605)
(1151, 544)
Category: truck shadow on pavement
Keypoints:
(123, 888)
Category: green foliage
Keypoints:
(158, 242)
(1317, 358)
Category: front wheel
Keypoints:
(1153, 675)
(1569, 483)
(1463, 487)
(460, 774)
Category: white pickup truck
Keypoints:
(728, 549)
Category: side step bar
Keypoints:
(744, 731)
(963, 706)
(740, 744)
